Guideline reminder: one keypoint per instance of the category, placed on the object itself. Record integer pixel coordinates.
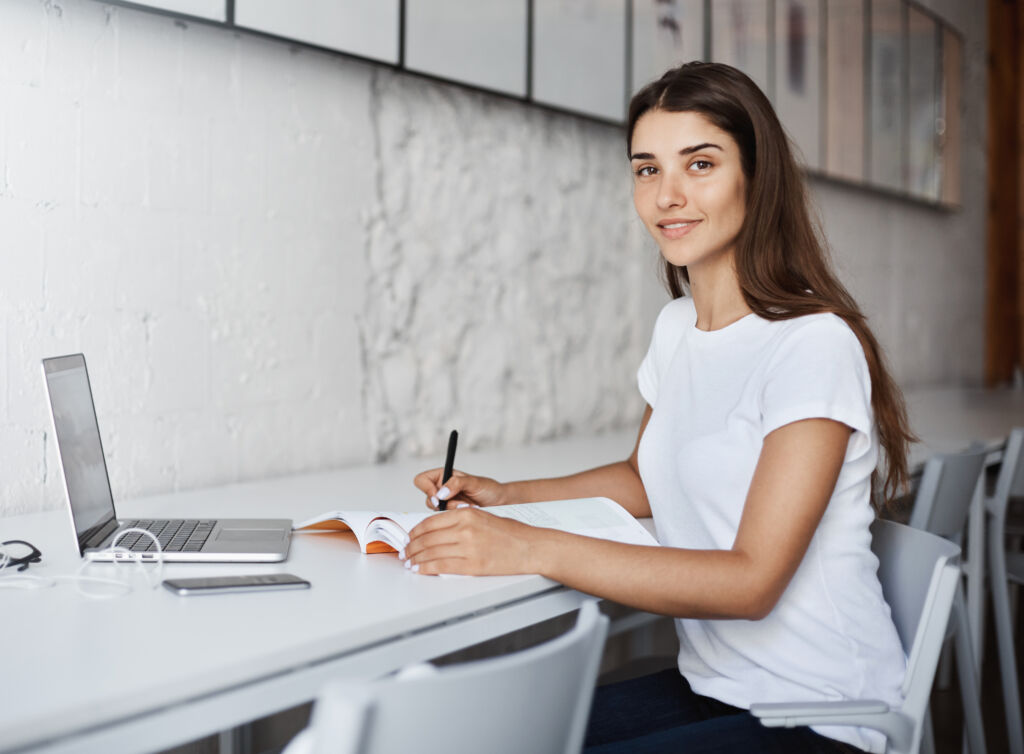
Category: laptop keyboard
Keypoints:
(175, 535)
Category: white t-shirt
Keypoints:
(715, 396)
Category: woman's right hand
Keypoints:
(461, 488)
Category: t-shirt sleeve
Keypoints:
(668, 328)
(818, 372)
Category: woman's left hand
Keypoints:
(473, 542)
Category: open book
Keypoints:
(378, 531)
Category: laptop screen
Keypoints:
(78, 439)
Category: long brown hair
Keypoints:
(781, 254)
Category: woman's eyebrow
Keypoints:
(700, 147)
(684, 151)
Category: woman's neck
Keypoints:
(716, 294)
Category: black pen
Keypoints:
(449, 465)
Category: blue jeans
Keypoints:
(661, 713)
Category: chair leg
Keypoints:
(927, 734)
(1014, 601)
(974, 727)
(944, 674)
(1004, 640)
(1013, 545)
(975, 574)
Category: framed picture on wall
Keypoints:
(949, 128)
(846, 22)
(476, 42)
(740, 37)
(368, 28)
(887, 96)
(868, 90)
(214, 10)
(798, 75)
(923, 178)
(665, 34)
(579, 56)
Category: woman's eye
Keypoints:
(644, 171)
(700, 164)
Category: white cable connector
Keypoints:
(121, 555)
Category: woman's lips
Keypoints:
(673, 229)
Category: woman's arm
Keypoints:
(619, 481)
(792, 484)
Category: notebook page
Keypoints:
(394, 528)
(591, 516)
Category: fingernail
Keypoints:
(435, 502)
(463, 505)
(408, 564)
(444, 493)
(415, 568)
(401, 554)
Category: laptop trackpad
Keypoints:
(250, 535)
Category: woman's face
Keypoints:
(688, 186)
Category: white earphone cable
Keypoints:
(121, 555)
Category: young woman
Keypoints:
(768, 404)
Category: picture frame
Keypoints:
(666, 33)
(798, 75)
(846, 30)
(482, 43)
(923, 100)
(950, 88)
(887, 95)
(578, 56)
(367, 28)
(212, 10)
(741, 37)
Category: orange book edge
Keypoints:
(333, 524)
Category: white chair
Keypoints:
(919, 573)
(535, 700)
(1005, 567)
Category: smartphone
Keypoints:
(226, 584)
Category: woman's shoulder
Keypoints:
(825, 326)
(676, 316)
(678, 308)
(816, 339)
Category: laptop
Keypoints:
(87, 486)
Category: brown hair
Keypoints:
(781, 255)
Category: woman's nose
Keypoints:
(671, 193)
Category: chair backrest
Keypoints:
(944, 495)
(1010, 482)
(536, 700)
(919, 573)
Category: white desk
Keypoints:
(947, 420)
(84, 675)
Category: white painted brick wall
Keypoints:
(278, 260)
